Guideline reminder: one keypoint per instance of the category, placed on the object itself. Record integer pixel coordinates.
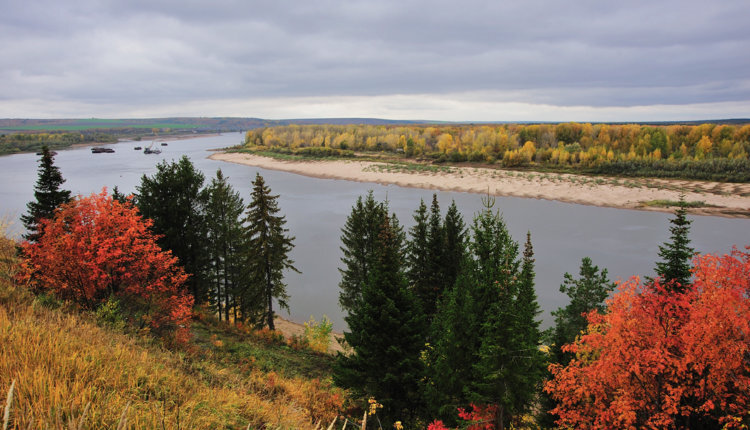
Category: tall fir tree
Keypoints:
(359, 242)
(436, 247)
(531, 362)
(47, 196)
(268, 251)
(418, 256)
(227, 244)
(675, 267)
(477, 348)
(175, 200)
(454, 251)
(386, 332)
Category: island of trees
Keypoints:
(706, 151)
(443, 321)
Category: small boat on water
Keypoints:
(100, 150)
(138, 148)
(164, 144)
(151, 150)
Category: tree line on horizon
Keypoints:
(442, 317)
(706, 151)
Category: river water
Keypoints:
(623, 241)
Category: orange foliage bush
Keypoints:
(664, 359)
(96, 248)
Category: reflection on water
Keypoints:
(624, 241)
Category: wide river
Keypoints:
(623, 241)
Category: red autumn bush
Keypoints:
(664, 359)
(96, 248)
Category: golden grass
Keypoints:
(71, 373)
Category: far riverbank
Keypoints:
(719, 199)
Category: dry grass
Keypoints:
(71, 373)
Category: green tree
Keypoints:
(419, 256)
(454, 250)
(268, 251)
(174, 199)
(529, 359)
(47, 196)
(586, 293)
(477, 350)
(360, 240)
(226, 245)
(675, 267)
(386, 331)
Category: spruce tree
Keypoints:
(476, 348)
(386, 332)
(436, 247)
(175, 200)
(47, 196)
(529, 358)
(226, 237)
(267, 254)
(418, 256)
(675, 267)
(454, 251)
(360, 241)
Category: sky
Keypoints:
(501, 60)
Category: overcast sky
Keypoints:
(501, 60)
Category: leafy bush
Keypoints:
(318, 335)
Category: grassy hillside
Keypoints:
(69, 370)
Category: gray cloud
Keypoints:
(138, 54)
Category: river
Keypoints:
(623, 241)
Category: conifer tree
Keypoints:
(436, 247)
(267, 254)
(386, 331)
(418, 256)
(529, 358)
(47, 196)
(175, 200)
(454, 250)
(586, 293)
(360, 240)
(675, 267)
(476, 349)
(226, 237)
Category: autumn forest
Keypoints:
(165, 300)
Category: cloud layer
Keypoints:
(471, 60)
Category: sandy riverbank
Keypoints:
(291, 328)
(731, 200)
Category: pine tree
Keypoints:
(360, 241)
(47, 196)
(587, 292)
(226, 237)
(675, 267)
(174, 199)
(386, 331)
(268, 252)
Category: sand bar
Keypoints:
(731, 200)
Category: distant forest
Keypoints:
(705, 151)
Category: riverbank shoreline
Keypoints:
(720, 199)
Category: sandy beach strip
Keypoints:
(731, 200)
